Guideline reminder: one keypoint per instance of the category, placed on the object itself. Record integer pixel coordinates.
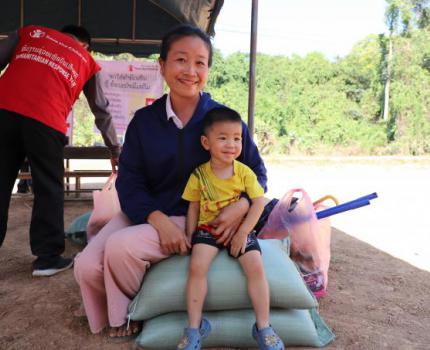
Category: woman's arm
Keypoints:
(134, 194)
(136, 199)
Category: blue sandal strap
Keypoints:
(192, 338)
(267, 338)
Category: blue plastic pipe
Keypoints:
(369, 196)
(354, 204)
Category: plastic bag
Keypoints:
(106, 206)
(294, 216)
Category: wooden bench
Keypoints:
(78, 174)
(70, 152)
(94, 152)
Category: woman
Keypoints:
(162, 147)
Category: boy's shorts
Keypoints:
(205, 237)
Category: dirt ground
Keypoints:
(374, 301)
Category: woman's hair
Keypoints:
(78, 32)
(218, 115)
(181, 31)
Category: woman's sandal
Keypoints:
(127, 334)
(267, 338)
(192, 338)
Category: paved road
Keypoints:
(398, 222)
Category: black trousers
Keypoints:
(43, 146)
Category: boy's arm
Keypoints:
(238, 243)
(192, 218)
(252, 217)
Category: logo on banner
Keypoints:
(149, 101)
(37, 33)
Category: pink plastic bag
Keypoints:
(106, 206)
(309, 237)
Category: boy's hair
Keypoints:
(78, 32)
(220, 114)
(182, 31)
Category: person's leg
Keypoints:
(89, 273)
(201, 258)
(44, 148)
(258, 288)
(11, 158)
(128, 254)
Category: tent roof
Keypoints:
(134, 26)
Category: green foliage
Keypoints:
(410, 123)
(311, 105)
(403, 16)
(83, 124)
(305, 104)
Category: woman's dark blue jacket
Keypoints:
(157, 158)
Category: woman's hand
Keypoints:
(173, 239)
(229, 220)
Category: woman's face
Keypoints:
(186, 67)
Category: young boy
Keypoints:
(211, 187)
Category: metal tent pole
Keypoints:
(21, 14)
(252, 64)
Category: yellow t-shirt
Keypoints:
(214, 193)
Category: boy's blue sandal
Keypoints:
(267, 339)
(192, 338)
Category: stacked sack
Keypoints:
(161, 303)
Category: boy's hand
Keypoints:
(238, 243)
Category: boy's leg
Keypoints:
(201, 258)
(258, 288)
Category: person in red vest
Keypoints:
(46, 71)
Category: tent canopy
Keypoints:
(134, 26)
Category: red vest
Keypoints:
(45, 76)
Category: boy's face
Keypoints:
(224, 141)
